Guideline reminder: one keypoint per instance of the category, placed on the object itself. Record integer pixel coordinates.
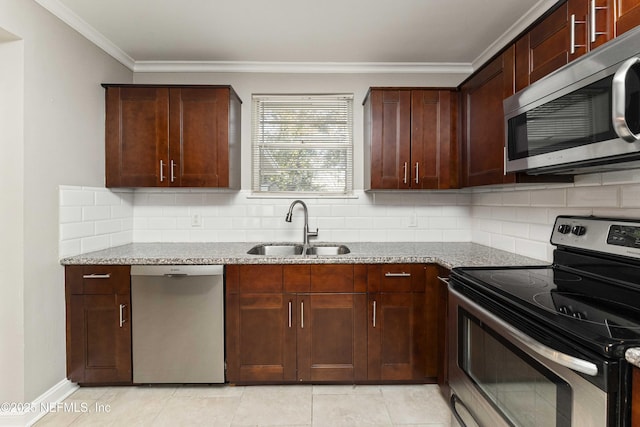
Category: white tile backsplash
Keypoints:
(93, 218)
(512, 218)
(527, 231)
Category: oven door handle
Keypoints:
(556, 356)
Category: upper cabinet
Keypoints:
(574, 28)
(172, 136)
(483, 122)
(627, 15)
(410, 139)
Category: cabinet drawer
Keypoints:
(396, 278)
(97, 279)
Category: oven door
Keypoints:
(501, 377)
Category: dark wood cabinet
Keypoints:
(442, 292)
(635, 397)
(410, 139)
(98, 313)
(483, 122)
(572, 29)
(302, 323)
(399, 331)
(627, 15)
(172, 136)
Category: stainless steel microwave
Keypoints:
(584, 117)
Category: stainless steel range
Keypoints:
(544, 345)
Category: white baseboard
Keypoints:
(33, 411)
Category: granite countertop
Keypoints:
(446, 254)
(633, 356)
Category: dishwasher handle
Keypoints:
(177, 270)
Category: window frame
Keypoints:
(258, 142)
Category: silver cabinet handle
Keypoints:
(618, 101)
(444, 280)
(173, 175)
(290, 304)
(404, 180)
(122, 319)
(161, 171)
(417, 173)
(374, 314)
(572, 34)
(403, 274)
(302, 315)
(97, 276)
(592, 15)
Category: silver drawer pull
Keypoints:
(97, 276)
(444, 280)
(403, 274)
(290, 313)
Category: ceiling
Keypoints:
(344, 33)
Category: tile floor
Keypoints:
(298, 405)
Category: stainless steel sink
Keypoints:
(277, 249)
(287, 249)
(327, 250)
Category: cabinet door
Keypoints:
(199, 137)
(549, 44)
(390, 138)
(396, 337)
(332, 337)
(627, 15)
(261, 337)
(483, 122)
(98, 327)
(595, 24)
(136, 137)
(99, 339)
(433, 151)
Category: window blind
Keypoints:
(302, 144)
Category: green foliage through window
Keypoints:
(303, 144)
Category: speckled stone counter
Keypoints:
(446, 254)
(633, 356)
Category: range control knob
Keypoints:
(578, 230)
(564, 228)
(579, 315)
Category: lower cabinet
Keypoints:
(98, 302)
(397, 323)
(304, 323)
(332, 323)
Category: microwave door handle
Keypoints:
(618, 101)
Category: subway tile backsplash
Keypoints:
(513, 218)
(91, 219)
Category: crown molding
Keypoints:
(536, 11)
(67, 16)
(300, 67)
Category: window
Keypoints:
(303, 144)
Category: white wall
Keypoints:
(11, 217)
(62, 144)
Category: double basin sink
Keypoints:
(286, 249)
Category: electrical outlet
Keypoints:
(413, 220)
(196, 220)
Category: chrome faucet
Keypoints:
(305, 233)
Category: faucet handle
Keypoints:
(312, 233)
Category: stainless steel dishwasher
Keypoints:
(177, 323)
